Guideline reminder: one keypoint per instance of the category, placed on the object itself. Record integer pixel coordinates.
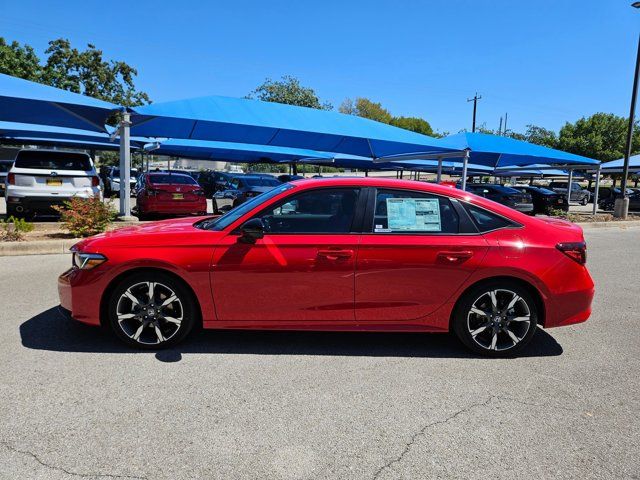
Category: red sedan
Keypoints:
(338, 254)
(166, 193)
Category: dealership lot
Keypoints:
(319, 405)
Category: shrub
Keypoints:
(13, 229)
(84, 217)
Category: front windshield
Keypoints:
(232, 215)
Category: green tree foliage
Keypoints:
(541, 136)
(601, 136)
(288, 90)
(363, 107)
(414, 124)
(85, 72)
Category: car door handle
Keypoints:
(335, 254)
(454, 256)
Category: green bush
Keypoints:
(13, 229)
(84, 217)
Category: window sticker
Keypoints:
(413, 215)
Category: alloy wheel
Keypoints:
(499, 320)
(149, 313)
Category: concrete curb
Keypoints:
(37, 247)
(613, 224)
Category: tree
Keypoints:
(19, 61)
(541, 136)
(601, 136)
(288, 90)
(363, 107)
(84, 72)
(414, 124)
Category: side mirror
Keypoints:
(251, 231)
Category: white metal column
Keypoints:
(569, 184)
(596, 192)
(125, 166)
(465, 162)
(439, 174)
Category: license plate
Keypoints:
(178, 196)
(54, 182)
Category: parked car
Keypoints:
(213, 182)
(40, 179)
(242, 187)
(608, 203)
(289, 178)
(544, 200)
(164, 193)
(112, 184)
(5, 166)
(578, 194)
(505, 195)
(362, 254)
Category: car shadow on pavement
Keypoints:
(52, 331)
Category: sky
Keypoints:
(545, 62)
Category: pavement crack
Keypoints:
(68, 472)
(421, 433)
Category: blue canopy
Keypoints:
(616, 166)
(496, 151)
(26, 133)
(231, 152)
(265, 123)
(29, 102)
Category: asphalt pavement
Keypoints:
(273, 405)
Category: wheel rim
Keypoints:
(149, 313)
(499, 320)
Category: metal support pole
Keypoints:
(439, 173)
(366, 173)
(294, 169)
(465, 162)
(125, 166)
(596, 192)
(569, 186)
(622, 203)
(401, 173)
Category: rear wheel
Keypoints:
(584, 200)
(496, 319)
(151, 310)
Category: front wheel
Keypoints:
(584, 200)
(496, 319)
(151, 310)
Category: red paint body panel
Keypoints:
(386, 282)
(161, 199)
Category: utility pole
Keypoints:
(475, 109)
(500, 127)
(506, 115)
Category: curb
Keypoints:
(613, 224)
(37, 247)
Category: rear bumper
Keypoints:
(36, 204)
(571, 306)
(178, 207)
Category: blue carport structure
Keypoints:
(238, 120)
(26, 133)
(617, 166)
(497, 151)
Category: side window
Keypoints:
(317, 211)
(402, 211)
(487, 221)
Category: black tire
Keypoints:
(584, 200)
(464, 321)
(183, 308)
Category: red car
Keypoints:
(338, 254)
(166, 193)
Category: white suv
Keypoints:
(40, 179)
(113, 181)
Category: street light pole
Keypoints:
(621, 209)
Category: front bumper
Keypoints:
(79, 297)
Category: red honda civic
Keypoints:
(169, 193)
(338, 254)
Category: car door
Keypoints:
(301, 273)
(413, 256)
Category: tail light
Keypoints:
(200, 193)
(11, 179)
(95, 181)
(576, 251)
(151, 192)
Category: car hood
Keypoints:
(174, 232)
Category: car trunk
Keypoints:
(175, 192)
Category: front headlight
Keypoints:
(87, 261)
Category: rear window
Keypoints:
(261, 182)
(52, 160)
(487, 221)
(169, 179)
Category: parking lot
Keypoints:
(75, 403)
